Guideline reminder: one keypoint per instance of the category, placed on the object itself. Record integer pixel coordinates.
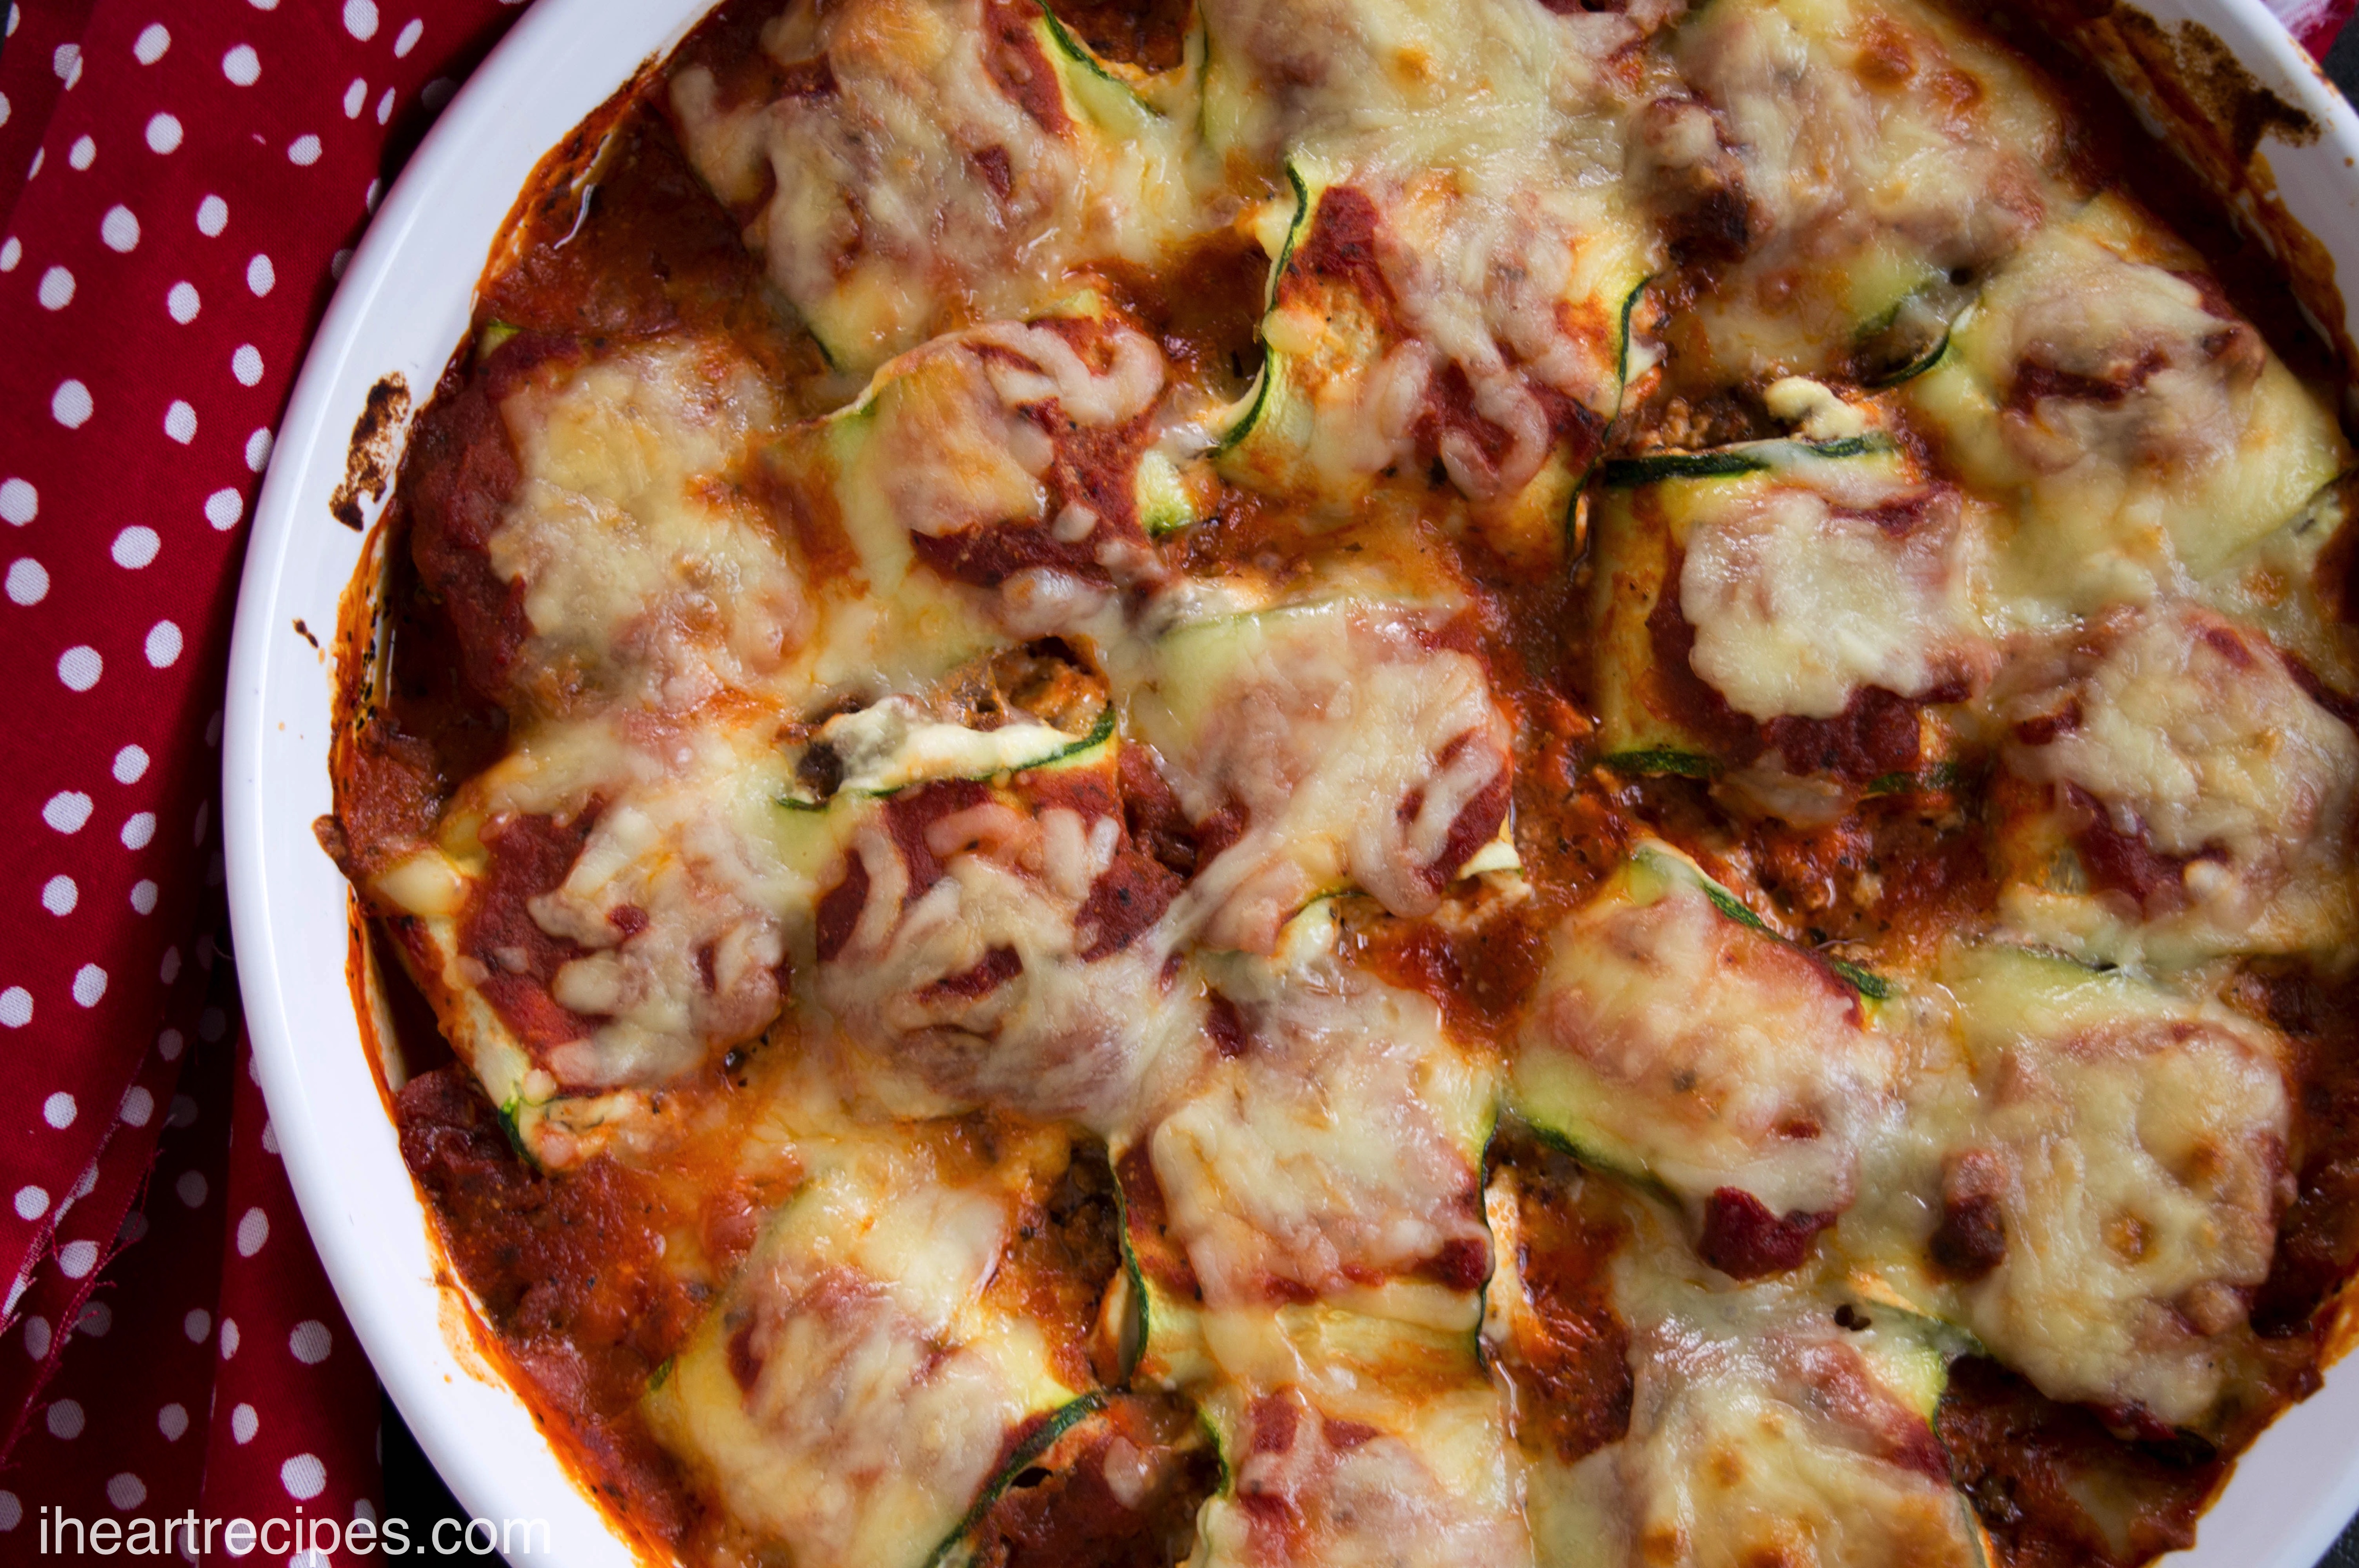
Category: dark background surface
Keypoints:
(414, 1492)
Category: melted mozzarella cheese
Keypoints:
(1877, 149)
(1424, 75)
(680, 895)
(891, 745)
(2138, 425)
(1482, 323)
(1761, 1431)
(854, 1390)
(1670, 1040)
(1805, 587)
(970, 435)
(986, 984)
(937, 177)
(648, 577)
(1338, 1147)
(1458, 299)
(1494, 304)
(1353, 749)
(680, 903)
(2140, 1146)
(1357, 1483)
(2191, 734)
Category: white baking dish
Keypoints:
(403, 305)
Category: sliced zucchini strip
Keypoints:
(1379, 1443)
(1678, 1041)
(852, 1395)
(1349, 395)
(1757, 1416)
(1812, 601)
(2115, 477)
(2086, 1193)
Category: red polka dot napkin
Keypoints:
(180, 181)
(2315, 22)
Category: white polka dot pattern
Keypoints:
(304, 1477)
(80, 667)
(197, 175)
(310, 1342)
(27, 581)
(135, 547)
(70, 403)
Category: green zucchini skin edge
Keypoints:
(1100, 732)
(1060, 1420)
(1136, 1330)
(1637, 1177)
(1573, 543)
(508, 1114)
(1915, 367)
(494, 335)
(1262, 383)
(1941, 775)
(1728, 462)
(1661, 760)
(1866, 983)
(1629, 473)
(1080, 53)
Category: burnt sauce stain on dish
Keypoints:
(369, 460)
(2230, 97)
